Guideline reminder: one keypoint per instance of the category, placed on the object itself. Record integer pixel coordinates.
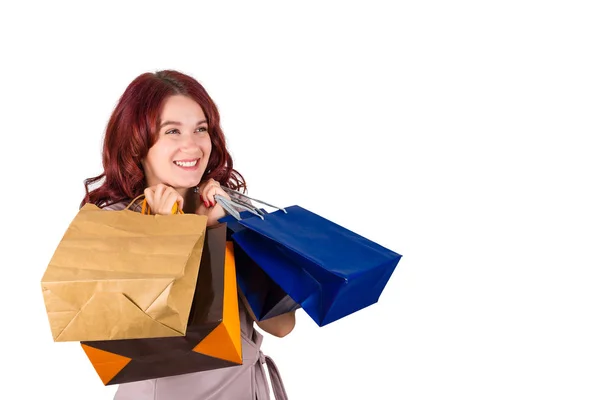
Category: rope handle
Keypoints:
(146, 209)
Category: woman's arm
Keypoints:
(279, 326)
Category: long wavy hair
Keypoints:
(132, 129)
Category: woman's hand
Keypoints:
(207, 204)
(161, 198)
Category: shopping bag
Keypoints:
(213, 338)
(266, 298)
(123, 275)
(329, 270)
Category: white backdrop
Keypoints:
(462, 135)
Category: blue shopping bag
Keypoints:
(329, 270)
(266, 298)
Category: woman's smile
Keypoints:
(188, 165)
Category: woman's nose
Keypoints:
(190, 143)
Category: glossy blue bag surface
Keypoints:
(329, 270)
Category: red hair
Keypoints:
(132, 130)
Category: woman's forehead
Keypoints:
(180, 108)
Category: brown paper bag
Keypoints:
(123, 275)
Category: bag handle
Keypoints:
(146, 208)
(134, 200)
(236, 193)
(229, 205)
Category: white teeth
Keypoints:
(186, 163)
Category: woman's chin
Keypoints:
(187, 183)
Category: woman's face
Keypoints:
(182, 149)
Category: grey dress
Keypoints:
(244, 382)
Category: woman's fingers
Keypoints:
(170, 197)
(161, 199)
(213, 191)
(149, 196)
(209, 191)
(158, 193)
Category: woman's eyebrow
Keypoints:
(179, 123)
(170, 123)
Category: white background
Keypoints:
(462, 135)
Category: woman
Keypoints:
(164, 140)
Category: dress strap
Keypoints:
(262, 384)
(276, 381)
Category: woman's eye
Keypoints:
(201, 129)
(171, 131)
